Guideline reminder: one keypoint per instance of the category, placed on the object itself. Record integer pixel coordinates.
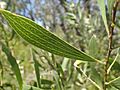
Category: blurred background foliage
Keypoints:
(79, 23)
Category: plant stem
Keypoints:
(94, 83)
(108, 70)
(110, 43)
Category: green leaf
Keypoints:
(14, 64)
(65, 64)
(79, 11)
(118, 21)
(36, 66)
(1, 71)
(71, 16)
(112, 88)
(45, 81)
(116, 83)
(110, 6)
(95, 76)
(116, 65)
(42, 38)
(58, 83)
(46, 84)
(93, 47)
(101, 4)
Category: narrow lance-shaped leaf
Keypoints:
(101, 4)
(42, 38)
(14, 64)
(37, 71)
(110, 6)
(93, 47)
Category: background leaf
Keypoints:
(37, 71)
(95, 76)
(110, 5)
(14, 64)
(116, 83)
(101, 4)
(93, 47)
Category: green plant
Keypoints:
(42, 38)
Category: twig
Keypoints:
(112, 64)
(94, 83)
(112, 80)
(110, 43)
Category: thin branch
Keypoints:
(94, 83)
(112, 64)
(110, 43)
(113, 80)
